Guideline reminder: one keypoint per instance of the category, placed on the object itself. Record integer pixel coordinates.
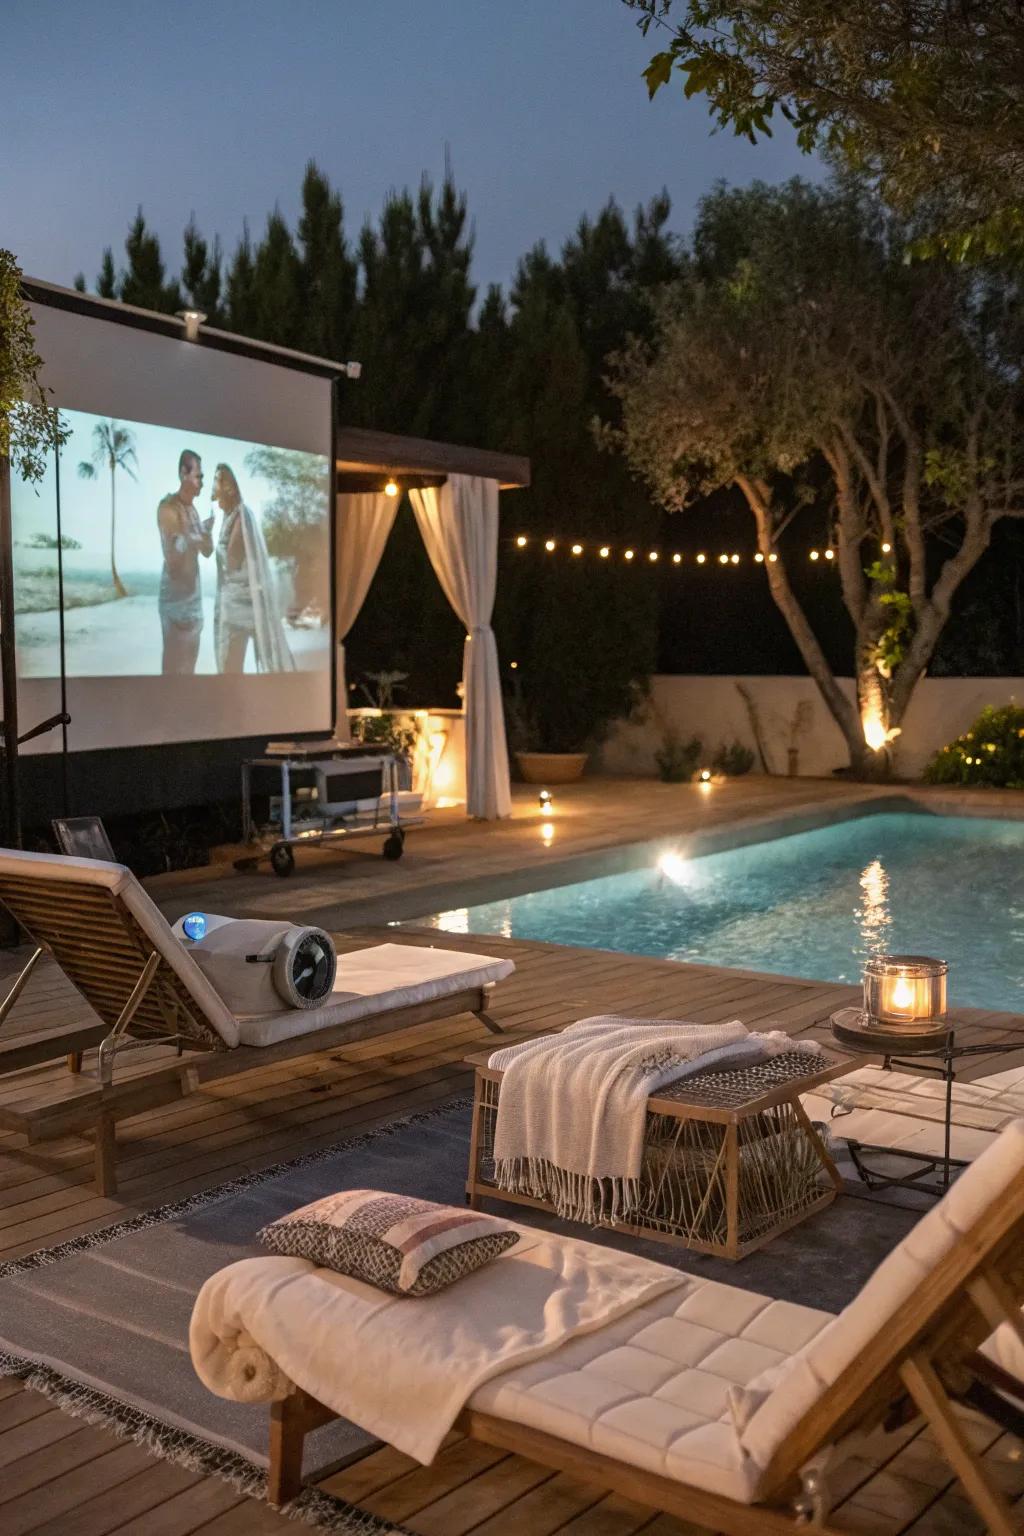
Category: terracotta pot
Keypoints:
(551, 767)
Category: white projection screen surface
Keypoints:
(194, 494)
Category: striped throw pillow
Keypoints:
(406, 1246)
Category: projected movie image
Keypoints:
(184, 554)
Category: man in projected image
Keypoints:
(183, 538)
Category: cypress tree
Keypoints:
(328, 272)
(277, 287)
(144, 281)
(240, 305)
(201, 272)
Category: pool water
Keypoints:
(813, 904)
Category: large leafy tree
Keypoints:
(925, 94)
(803, 363)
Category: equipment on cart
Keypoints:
(312, 795)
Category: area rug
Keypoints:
(100, 1324)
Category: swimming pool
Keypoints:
(812, 904)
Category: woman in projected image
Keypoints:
(247, 605)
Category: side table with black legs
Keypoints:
(855, 1031)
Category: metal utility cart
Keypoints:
(316, 796)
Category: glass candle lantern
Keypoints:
(905, 989)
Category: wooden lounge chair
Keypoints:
(116, 948)
(645, 1418)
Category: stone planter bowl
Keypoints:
(551, 767)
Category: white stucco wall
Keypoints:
(712, 708)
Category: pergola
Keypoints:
(453, 491)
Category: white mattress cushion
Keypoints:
(769, 1409)
(49, 867)
(653, 1388)
(374, 980)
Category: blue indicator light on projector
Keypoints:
(194, 926)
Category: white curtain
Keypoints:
(362, 525)
(459, 525)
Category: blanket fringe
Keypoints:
(574, 1196)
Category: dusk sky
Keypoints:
(215, 107)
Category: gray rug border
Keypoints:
(177, 1445)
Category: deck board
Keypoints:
(63, 1478)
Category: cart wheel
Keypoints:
(282, 859)
(394, 845)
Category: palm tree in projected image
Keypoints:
(113, 448)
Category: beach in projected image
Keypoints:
(184, 553)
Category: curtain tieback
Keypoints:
(476, 629)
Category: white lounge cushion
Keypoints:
(653, 1389)
(48, 868)
(374, 980)
(771, 1408)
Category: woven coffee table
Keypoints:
(730, 1157)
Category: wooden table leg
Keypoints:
(105, 1155)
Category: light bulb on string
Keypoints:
(549, 545)
(677, 559)
(577, 549)
(830, 554)
(723, 559)
(814, 554)
(653, 555)
(628, 555)
(772, 558)
(735, 559)
(604, 551)
(886, 549)
(521, 541)
(701, 559)
(391, 489)
(759, 558)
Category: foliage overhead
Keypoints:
(801, 359)
(925, 95)
(29, 427)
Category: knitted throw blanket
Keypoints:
(573, 1107)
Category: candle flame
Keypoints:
(902, 994)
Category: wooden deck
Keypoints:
(62, 1477)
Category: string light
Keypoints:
(701, 559)
(604, 551)
(677, 559)
(391, 489)
(814, 554)
(830, 554)
(723, 559)
(513, 665)
(521, 541)
(773, 558)
(577, 549)
(735, 559)
(628, 554)
(886, 549)
(653, 555)
(759, 558)
(549, 545)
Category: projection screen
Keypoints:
(195, 494)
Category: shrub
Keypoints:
(991, 753)
(733, 759)
(677, 759)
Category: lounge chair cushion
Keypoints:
(375, 980)
(653, 1388)
(770, 1407)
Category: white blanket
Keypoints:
(402, 1368)
(572, 1109)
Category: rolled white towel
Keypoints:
(251, 1376)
